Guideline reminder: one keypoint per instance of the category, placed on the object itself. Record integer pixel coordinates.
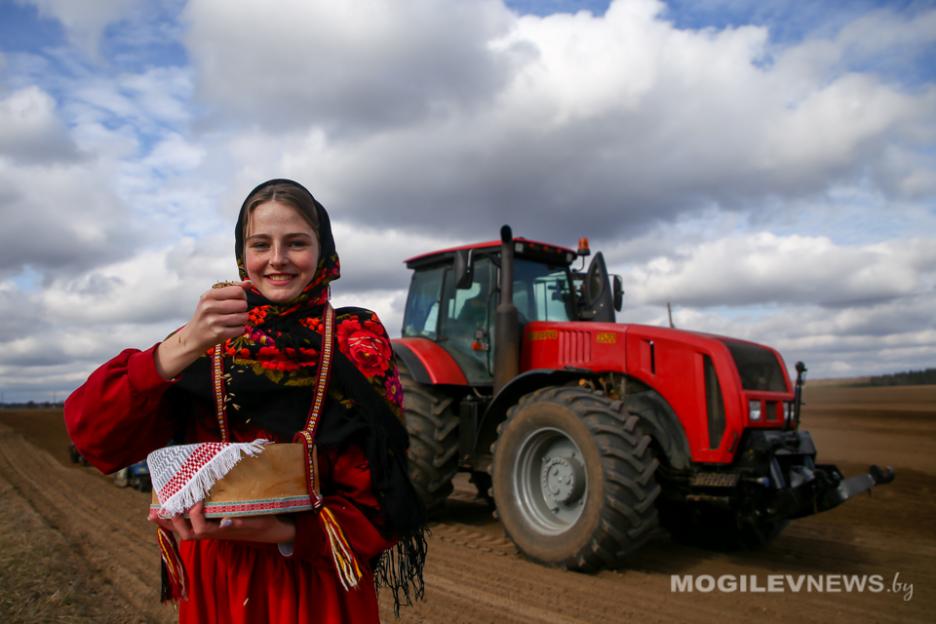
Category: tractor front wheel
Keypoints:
(574, 479)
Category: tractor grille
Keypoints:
(757, 366)
(574, 346)
(714, 479)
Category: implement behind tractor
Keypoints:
(592, 434)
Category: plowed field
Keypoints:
(75, 548)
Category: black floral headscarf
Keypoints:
(270, 371)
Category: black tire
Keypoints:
(433, 431)
(574, 479)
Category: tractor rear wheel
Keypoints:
(433, 431)
(574, 479)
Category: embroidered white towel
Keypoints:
(184, 474)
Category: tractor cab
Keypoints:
(454, 296)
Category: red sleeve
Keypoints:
(353, 504)
(120, 413)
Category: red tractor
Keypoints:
(592, 434)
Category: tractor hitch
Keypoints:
(830, 488)
(781, 466)
(852, 486)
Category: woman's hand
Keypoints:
(267, 529)
(221, 313)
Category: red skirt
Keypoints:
(245, 582)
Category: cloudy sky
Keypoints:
(768, 167)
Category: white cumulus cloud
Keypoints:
(763, 268)
(31, 130)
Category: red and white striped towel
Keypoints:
(183, 475)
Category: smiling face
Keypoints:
(281, 251)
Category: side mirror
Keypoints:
(596, 280)
(597, 292)
(464, 275)
(618, 295)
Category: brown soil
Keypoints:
(74, 548)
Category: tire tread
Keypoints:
(628, 518)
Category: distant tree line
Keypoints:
(906, 378)
(33, 405)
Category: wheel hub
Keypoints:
(550, 480)
(562, 479)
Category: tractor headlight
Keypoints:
(788, 411)
(754, 410)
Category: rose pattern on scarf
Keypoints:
(365, 344)
(363, 339)
(313, 324)
(256, 316)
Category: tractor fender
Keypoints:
(660, 420)
(520, 385)
(663, 426)
(428, 363)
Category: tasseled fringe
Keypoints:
(197, 488)
(173, 574)
(346, 564)
(401, 569)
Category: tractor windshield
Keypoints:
(422, 305)
(541, 291)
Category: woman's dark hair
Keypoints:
(284, 193)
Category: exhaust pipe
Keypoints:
(507, 320)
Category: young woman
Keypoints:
(270, 330)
